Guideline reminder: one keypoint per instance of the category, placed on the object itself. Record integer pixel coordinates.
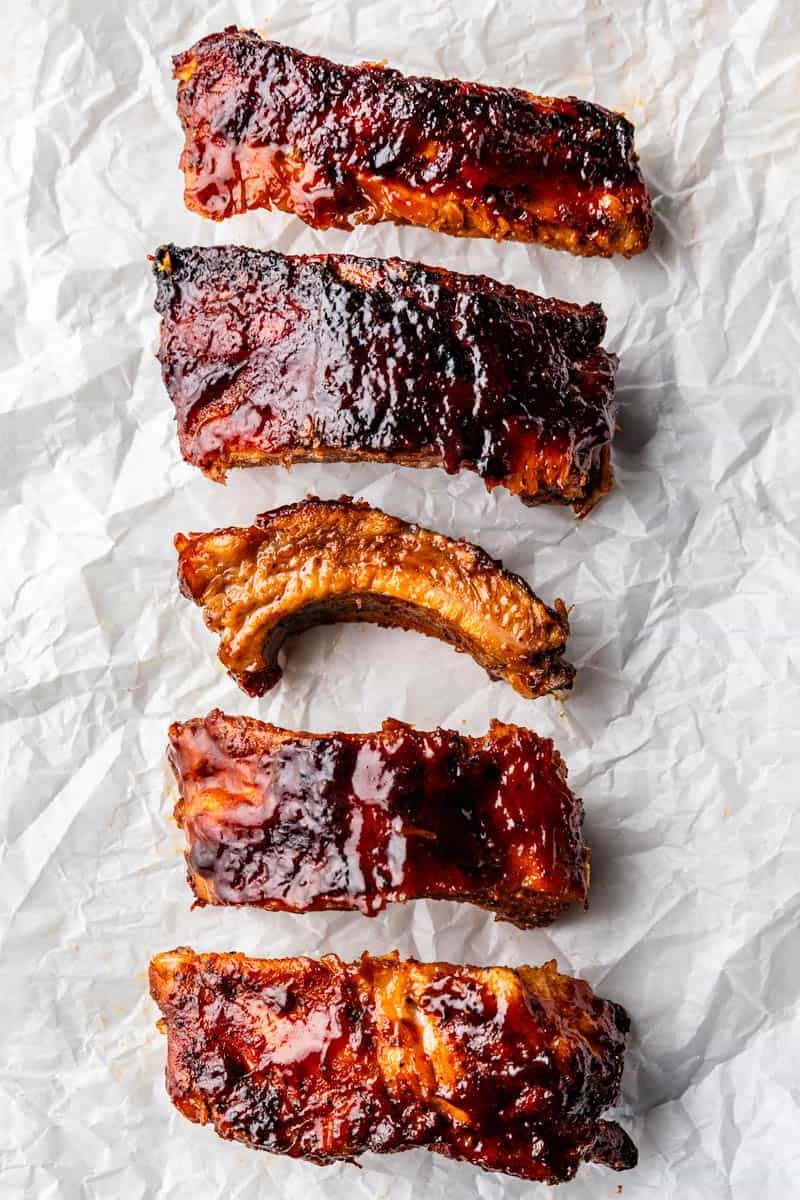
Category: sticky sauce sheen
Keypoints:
(269, 358)
(301, 822)
(267, 125)
(510, 1070)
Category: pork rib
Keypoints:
(268, 126)
(273, 359)
(300, 821)
(324, 561)
(510, 1070)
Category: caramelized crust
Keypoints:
(273, 359)
(324, 561)
(510, 1070)
(266, 125)
(303, 821)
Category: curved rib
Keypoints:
(297, 822)
(325, 561)
(510, 1070)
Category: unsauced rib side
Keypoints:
(300, 821)
(510, 1070)
(266, 125)
(275, 359)
(325, 561)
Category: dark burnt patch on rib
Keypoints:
(510, 1070)
(266, 125)
(272, 359)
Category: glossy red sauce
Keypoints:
(268, 125)
(302, 822)
(324, 1060)
(267, 356)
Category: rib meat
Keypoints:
(324, 561)
(303, 821)
(266, 125)
(510, 1070)
(273, 359)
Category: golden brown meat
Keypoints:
(266, 125)
(303, 821)
(323, 561)
(510, 1070)
(273, 359)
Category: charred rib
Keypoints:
(510, 1070)
(271, 359)
(268, 126)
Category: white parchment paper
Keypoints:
(681, 734)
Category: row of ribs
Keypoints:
(272, 359)
(511, 1070)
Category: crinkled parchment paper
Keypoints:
(681, 734)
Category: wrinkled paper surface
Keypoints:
(681, 734)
